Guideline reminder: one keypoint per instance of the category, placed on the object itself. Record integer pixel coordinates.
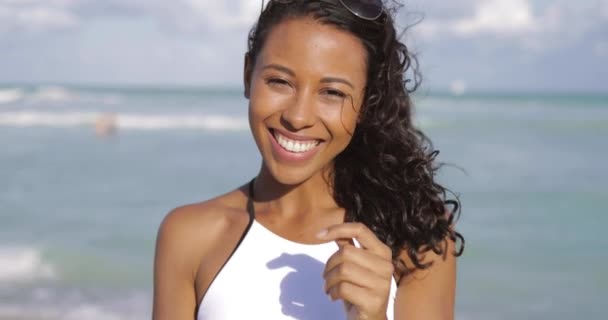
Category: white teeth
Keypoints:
(294, 145)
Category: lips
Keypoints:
(290, 147)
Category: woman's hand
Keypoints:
(361, 277)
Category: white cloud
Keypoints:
(33, 16)
(498, 16)
(205, 16)
(45, 18)
(532, 25)
(224, 15)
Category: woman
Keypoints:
(344, 219)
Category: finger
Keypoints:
(355, 274)
(343, 242)
(361, 257)
(359, 231)
(363, 299)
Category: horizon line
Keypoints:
(437, 90)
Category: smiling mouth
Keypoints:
(294, 146)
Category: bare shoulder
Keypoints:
(203, 217)
(186, 235)
(428, 293)
(191, 230)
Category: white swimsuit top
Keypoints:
(269, 277)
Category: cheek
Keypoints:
(349, 119)
(260, 107)
(263, 102)
(349, 116)
(341, 121)
(258, 114)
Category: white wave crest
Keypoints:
(10, 95)
(123, 121)
(76, 304)
(78, 312)
(152, 122)
(52, 94)
(46, 119)
(23, 264)
(91, 312)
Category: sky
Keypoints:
(495, 45)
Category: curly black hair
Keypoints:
(385, 178)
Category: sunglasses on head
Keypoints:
(364, 9)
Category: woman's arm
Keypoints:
(428, 294)
(361, 278)
(174, 269)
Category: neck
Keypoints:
(309, 198)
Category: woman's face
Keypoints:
(305, 89)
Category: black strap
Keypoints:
(250, 208)
(251, 212)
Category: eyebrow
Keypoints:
(293, 74)
(340, 80)
(281, 68)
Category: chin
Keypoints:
(290, 176)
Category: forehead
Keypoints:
(306, 44)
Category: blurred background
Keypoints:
(114, 112)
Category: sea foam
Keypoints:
(30, 118)
(11, 95)
(72, 304)
(52, 94)
(23, 264)
(82, 311)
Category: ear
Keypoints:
(247, 69)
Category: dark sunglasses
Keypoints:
(364, 9)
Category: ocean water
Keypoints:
(79, 212)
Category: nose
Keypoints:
(299, 114)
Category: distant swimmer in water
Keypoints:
(106, 125)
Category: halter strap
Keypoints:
(250, 208)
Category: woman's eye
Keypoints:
(337, 94)
(277, 82)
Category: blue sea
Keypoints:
(79, 211)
